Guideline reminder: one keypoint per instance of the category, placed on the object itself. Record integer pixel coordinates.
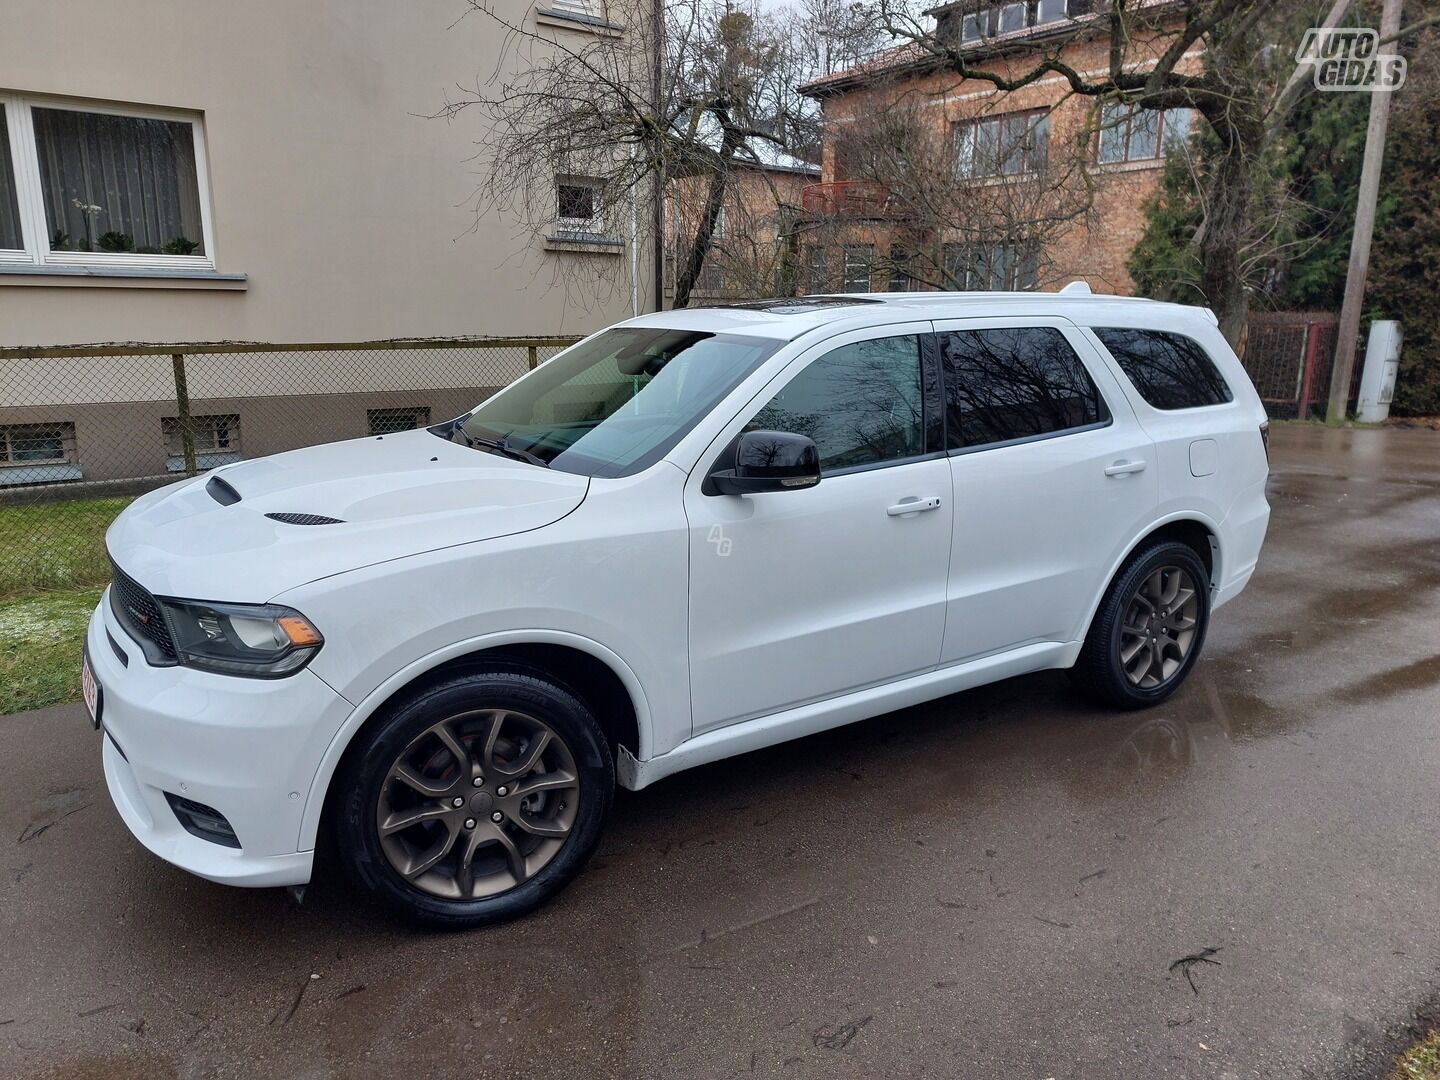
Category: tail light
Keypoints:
(1265, 439)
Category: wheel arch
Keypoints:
(1190, 528)
(596, 673)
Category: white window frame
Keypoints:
(975, 26)
(1009, 9)
(851, 258)
(28, 194)
(594, 225)
(66, 467)
(208, 454)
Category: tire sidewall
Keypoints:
(1170, 553)
(522, 691)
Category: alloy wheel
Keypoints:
(1159, 628)
(478, 804)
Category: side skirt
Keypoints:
(819, 716)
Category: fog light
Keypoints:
(203, 821)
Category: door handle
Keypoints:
(1124, 468)
(913, 505)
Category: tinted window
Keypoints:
(1170, 371)
(1014, 384)
(861, 403)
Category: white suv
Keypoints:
(692, 535)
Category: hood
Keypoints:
(392, 496)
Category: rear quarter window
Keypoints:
(1170, 371)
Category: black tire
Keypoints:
(1099, 670)
(367, 778)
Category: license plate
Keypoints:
(90, 691)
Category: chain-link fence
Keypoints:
(85, 429)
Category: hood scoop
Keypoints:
(222, 491)
(304, 519)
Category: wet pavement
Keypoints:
(1003, 883)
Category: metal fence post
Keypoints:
(182, 413)
(1307, 377)
(533, 359)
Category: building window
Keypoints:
(216, 441)
(37, 454)
(819, 271)
(900, 259)
(975, 26)
(1128, 133)
(584, 9)
(1008, 145)
(579, 204)
(991, 267)
(1048, 11)
(101, 184)
(858, 260)
(1012, 17)
(11, 238)
(405, 418)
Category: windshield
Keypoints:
(614, 404)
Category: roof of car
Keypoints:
(788, 318)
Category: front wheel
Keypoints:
(476, 800)
(1148, 631)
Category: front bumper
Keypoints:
(247, 747)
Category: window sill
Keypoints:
(586, 24)
(1138, 165)
(589, 243)
(204, 460)
(25, 475)
(123, 277)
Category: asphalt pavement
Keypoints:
(1006, 883)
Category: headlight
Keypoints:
(264, 641)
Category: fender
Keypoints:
(371, 703)
(1129, 549)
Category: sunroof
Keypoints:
(799, 305)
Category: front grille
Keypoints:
(141, 616)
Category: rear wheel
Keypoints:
(1149, 629)
(477, 800)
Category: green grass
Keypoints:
(59, 545)
(52, 568)
(40, 643)
(1421, 1061)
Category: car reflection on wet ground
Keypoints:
(1004, 883)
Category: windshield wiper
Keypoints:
(502, 446)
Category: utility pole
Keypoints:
(1344, 367)
(658, 192)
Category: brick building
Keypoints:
(754, 251)
(932, 181)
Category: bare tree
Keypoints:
(580, 137)
(936, 218)
(1242, 86)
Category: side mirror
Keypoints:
(769, 461)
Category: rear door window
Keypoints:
(1170, 371)
(1009, 384)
